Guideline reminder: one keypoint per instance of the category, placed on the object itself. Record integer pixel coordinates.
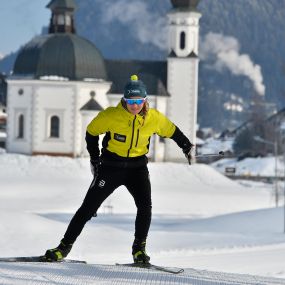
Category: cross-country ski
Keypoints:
(152, 266)
(40, 258)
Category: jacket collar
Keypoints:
(125, 111)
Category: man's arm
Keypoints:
(93, 149)
(92, 146)
(183, 142)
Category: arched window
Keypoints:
(54, 127)
(60, 20)
(182, 40)
(20, 127)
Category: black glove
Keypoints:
(94, 166)
(187, 152)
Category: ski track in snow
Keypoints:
(77, 274)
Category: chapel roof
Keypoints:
(92, 105)
(60, 53)
(63, 55)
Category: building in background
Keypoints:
(3, 114)
(61, 81)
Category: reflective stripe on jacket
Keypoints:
(129, 135)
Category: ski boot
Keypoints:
(139, 254)
(58, 253)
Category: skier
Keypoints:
(127, 128)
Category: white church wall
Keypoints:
(54, 99)
(182, 107)
(77, 128)
(159, 143)
(85, 91)
(99, 87)
(87, 117)
(114, 99)
(19, 98)
(42, 99)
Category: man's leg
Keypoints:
(101, 187)
(139, 186)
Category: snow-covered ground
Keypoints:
(201, 219)
(214, 145)
(260, 166)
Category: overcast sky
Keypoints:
(21, 20)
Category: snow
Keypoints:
(119, 275)
(201, 221)
(260, 166)
(214, 145)
(54, 78)
(3, 135)
(93, 80)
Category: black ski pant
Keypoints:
(109, 178)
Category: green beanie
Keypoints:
(135, 88)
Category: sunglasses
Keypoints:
(134, 101)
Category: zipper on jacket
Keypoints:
(138, 134)
(133, 130)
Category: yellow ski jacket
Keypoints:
(128, 134)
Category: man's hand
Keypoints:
(187, 153)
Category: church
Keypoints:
(60, 82)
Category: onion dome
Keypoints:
(61, 53)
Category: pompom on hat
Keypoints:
(135, 88)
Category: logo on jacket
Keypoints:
(120, 138)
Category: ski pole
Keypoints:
(219, 154)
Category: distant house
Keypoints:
(60, 81)
(273, 132)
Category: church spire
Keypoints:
(62, 18)
(184, 28)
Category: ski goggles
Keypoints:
(138, 101)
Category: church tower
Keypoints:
(182, 71)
